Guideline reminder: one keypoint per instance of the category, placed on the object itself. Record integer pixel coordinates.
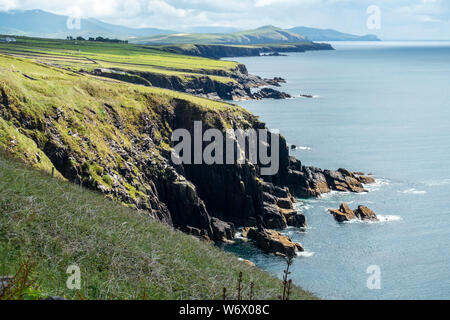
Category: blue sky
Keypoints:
(400, 19)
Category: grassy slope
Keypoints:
(87, 55)
(267, 34)
(81, 97)
(120, 251)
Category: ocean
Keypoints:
(381, 108)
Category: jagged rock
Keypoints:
(281, 192)
(269, 93)
(366, 179)
(365, 213)
(344, 213)
(306, 181)
(273, 218)
(295, 219)
(284, 203)
(272, 241)
(273, 54)
(269, 198)
(222, 231)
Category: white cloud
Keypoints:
(401, 18)
(163, 8)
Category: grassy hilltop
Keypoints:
(262, 35)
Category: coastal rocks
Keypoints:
(295, 219)
(272, 241)
(305, 181)
(273, 54)
(223, 232)
(365, 213)
(366, 179)
(279, 211)
(202, 85)
(218, 51)
(268, 93)
(344, 213)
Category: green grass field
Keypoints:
(37, 88)
(89, 55)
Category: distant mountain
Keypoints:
(212, 29)
(263, 35)
(331, 35)
(38, 23)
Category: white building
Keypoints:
(8, 39)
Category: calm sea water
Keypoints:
(381, 108)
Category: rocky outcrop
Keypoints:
(272, 241)
(365, 213)
(269, 93)
(366, 179)
(273, 54)
(238, 88)
(344, 213)
(295, 219)
(217, 51)
(305, 181)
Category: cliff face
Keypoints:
(115, 138)
(217, 51)
(235, 85)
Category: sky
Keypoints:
(391, 20)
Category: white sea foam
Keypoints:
(305, 254)
(304, 148)
(238, 235)
(413, 191)
(303, 207)
(379, 183)
(388, 218)
(332, 194)
(381, 219)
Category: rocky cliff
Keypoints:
(235, 85)
(217, 51)
(114, 138)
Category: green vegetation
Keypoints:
(266, 34)
(94, 129)
(315, 34)
(34, 90)
(86, 56)
(123, 254)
